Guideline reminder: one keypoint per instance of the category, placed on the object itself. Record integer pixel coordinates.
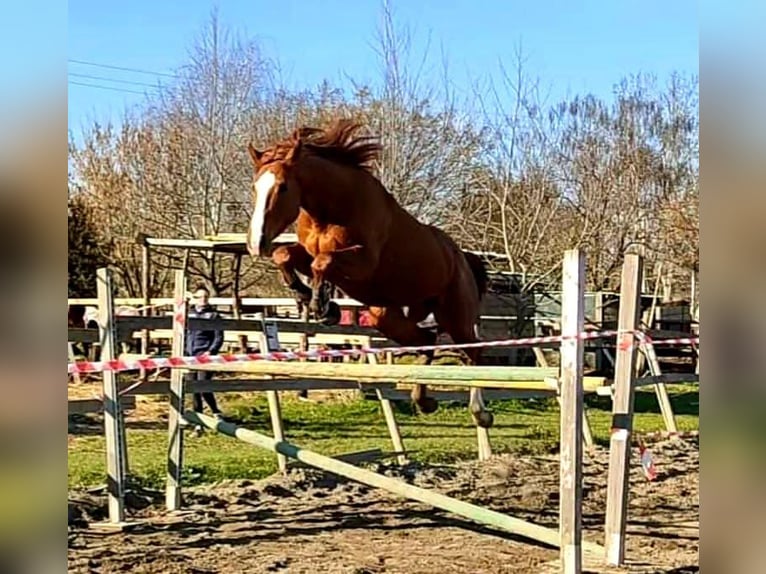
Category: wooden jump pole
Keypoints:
(175, 416)
(114, 424)
(434, 375)
(476, 513)
(571, 400)
(622, 410)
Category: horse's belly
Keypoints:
(400, 286)
(367, 292)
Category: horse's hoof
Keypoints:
(332, 314)
(484, 419)
(427, 405)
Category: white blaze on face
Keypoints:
(263, 186)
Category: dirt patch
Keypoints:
(311, 522)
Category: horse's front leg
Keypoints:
(354, 263)
(289, 259)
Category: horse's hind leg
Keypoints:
(394, 324)
(455, 321)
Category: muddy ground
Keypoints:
(311, 522)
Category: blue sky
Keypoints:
(572, 47)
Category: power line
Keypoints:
(123, 90)
(117, 80)
(125, 69)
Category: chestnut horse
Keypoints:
(352, 233)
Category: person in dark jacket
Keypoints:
(200, 342)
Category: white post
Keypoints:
(175, 416)
(622, 410)
(571, 395)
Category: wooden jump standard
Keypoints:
(569, 536)
(569, 386)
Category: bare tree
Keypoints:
(429, 145)
(178, 168)
(507, 172)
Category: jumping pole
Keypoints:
(465, 509)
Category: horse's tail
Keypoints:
(479, 270)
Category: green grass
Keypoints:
(331, 428)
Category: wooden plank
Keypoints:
(128, 324)
(175, 416)
(660, 390)
(667, 378)
(396, 486)
(572, 356)
(113, 419)
(287, 338)
(251, 385)
(402, 375)
(78, 335)
(501, 377)
(622, 411)
(402, 395)
(85, 406)
(539, 389)
(215, 301)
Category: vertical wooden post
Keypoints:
(113, 418)
(237, 300)
(266, 344)
(622, 410)
(146, 311)
(177, 391)
(388, 414)
(571, 396)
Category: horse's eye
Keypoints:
(282, 187)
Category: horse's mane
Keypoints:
(339, 142)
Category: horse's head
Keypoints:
(276, 197)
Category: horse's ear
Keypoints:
(295, 152)
(255, 154)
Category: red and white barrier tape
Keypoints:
(161, 362)
(164, 362)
